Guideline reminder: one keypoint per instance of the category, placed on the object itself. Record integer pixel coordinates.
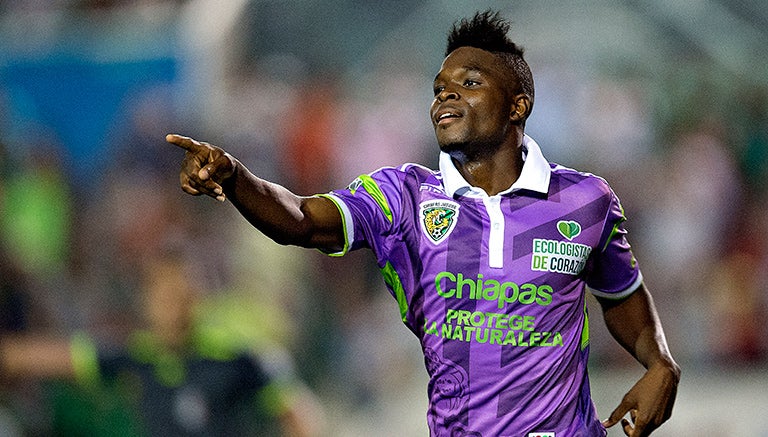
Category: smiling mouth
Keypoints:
(446, 117)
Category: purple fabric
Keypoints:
(505, 347)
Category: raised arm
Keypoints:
(636, 326)
(280, 214)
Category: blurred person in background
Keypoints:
(14, 281)
(36, 218)
(488, 259)
(172, 378)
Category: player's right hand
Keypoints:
(205, 167)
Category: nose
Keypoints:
(446, 94)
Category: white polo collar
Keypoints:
(534, 176)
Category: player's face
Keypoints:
(473, 101)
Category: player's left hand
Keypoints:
(649, 402)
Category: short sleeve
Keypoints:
(615, 273)
(370, 209)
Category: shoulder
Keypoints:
(581, 179)
(398, 179)
(404, 171)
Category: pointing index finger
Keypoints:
(185, 143)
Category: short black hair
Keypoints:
(488, 31)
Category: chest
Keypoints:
(504, 236)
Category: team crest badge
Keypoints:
(438, 218)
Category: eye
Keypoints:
(471, 83)
(438, 89)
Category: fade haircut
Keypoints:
(488, 31)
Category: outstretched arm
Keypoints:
(636, 326)
(280, 214)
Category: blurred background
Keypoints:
(666, 99)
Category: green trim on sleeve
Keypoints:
(585, 328)
(345, 229)
(85, 359)
(393, 280)
(372, 188)
(615, 229)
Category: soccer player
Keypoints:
(488, 257)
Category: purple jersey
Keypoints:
(494, 287)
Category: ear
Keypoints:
(521, 108)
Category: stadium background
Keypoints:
(668, 100)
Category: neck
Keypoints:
(494, 170)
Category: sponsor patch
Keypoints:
(556, 256)
(438, 218)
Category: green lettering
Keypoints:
(540, 262)
(528, 323)
(534, 338)
(544, 293)
(510, 338)
(458, 286)
(496, 336)
(483, 338)
(502, 322)
(478, 290)
(460, 283)
(492, 318)
(545, 340)
(433, 329)
(449, 276)
(458, 334)
(491, 290)
(558, 340)
(504, 298)
(521, 340)
(450, 315)
(445, 331)
(478, 318)
(463, 318)
(527, 294)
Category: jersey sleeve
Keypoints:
(614, 273)
(370, 208)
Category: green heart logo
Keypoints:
(569, 229)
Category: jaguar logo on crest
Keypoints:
(438, 218)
